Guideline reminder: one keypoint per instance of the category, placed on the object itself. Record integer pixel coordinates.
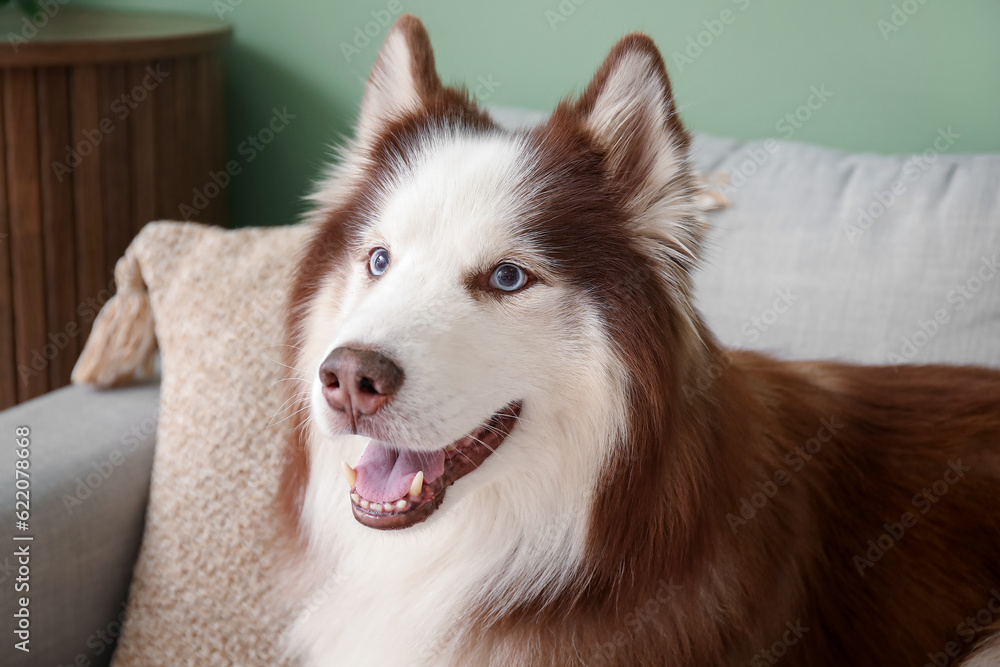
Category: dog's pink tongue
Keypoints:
(385, 473)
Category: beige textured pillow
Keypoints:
(200, 591)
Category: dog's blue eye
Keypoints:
(508, 277)
(378, 262)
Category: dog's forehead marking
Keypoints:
(460, 192)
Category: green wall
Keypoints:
(891, 88)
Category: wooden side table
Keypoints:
(107, 120)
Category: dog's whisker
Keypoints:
(467, 456)
(294, 347)
(291, 379)
(492, 450)
(289, 417)
(288, 400)
(281, 363)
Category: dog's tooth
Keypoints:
(418, 484)
(400, 505)
(450, 448)
(356, 498)
(364, 503)
(350, 474)
(376, 506)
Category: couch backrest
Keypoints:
(855, 256)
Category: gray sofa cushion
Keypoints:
(866, 258)
(90, 461)
(881, 260)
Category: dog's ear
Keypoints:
(629, 111)
(402, 78)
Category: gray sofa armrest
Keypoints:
(91, 456)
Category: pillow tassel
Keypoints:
(123, 340)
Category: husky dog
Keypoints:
(496, 331)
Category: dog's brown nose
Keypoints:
(359, 382)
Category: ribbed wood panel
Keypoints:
(142, 152)
(24, 201)
(91, 152)
(166, 147)
(57, 208)
(8, 366)
(88, 212)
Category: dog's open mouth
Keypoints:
(393, 488)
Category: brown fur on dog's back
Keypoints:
(903, 430)
(741, 586)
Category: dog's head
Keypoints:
(494, 310)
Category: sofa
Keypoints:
(819, 254)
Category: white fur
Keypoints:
(513, 528)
